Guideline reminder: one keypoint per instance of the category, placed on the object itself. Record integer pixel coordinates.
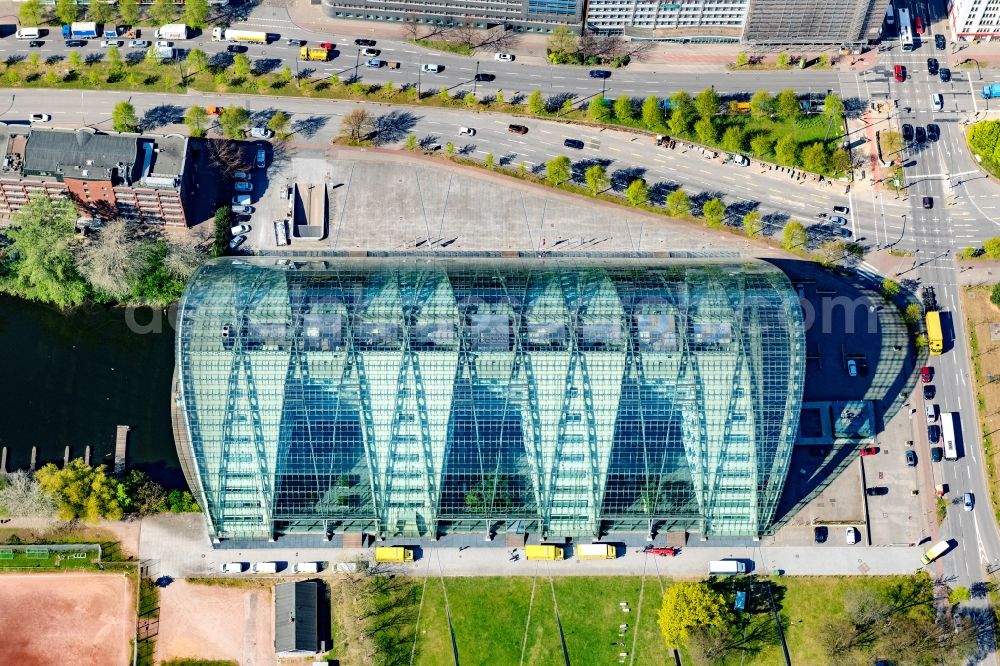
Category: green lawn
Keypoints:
(55, 561)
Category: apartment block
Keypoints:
(836, 22)
(694, 21)
(518, 15)
(137, 176)
(974, 19)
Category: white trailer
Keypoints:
(726, 567)
(172, 31)
(246, 36)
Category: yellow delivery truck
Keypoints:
(393, 554)
(306, 53)
(596, 551)
(545, 551)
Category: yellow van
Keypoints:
(596, 551)
(393, 554)
(543, 551)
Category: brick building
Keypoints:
(142, 177)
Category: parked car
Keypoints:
(466, 131)
(932, 66)
(929, 391)
(364, 42)
(933, 132)
(241, 175)
(936, 454)
(370, 53)
(843, 210)
(899, 72)
(261, 133)
(241, 209)
(236, 242)
(926, 374)
(329, 46)
(517, 129)
(928, 202)
(599, 74)
(242, 200)
(918, 24)
(75, 43)
(837, 219)
(110, 42)
(852, 367)
(483, 76)
(852, 536)
(937, 101)
(232, 567)
(968, 501)
(374, 63)
(142, 44)
(869, 450)
(875, 491)
(907, 132)
(820, 533)
(36, 44)
(741, 160)
(431, 68)
(163, 43)
(930, 411)
(261, 160)
(243, 186)
(940, 43)
(239, 230)
(40, 117)
(842, 231)
(933, 434)
(911, 458)
(920, 134)
(296, 42)
(576, 144)
(944, 75)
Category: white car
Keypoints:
(241, 175)
(430, 69)
(241, 200)
(504, 57)
(138, 44)
(740, 160)
(938, 101)
(467, 131)
(968, 501)
(261, 133)
(110, 42)
(39, 117)
(236, 242)
(852, 369)
(243, 186)
(164, 43)
(261, 160)
(852, 536)
(838, 219)
(231, 567)
(240, 230)
(370, 53)
(242, 209)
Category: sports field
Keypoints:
(70, 618)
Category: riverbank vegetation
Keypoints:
(43, 258)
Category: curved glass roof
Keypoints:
(426, 395)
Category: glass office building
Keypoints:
(423, 396)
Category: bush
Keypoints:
(223, 222)
(995, 295)
(991, 248)
(890, 288)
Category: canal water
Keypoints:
(70, 379)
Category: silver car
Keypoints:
(138, 44)
(837, 219)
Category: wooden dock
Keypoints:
(121, 441)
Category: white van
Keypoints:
(264, 567)
(937, 100)
(29, 33)
(231, 567)
(306, 567)
(430, 69)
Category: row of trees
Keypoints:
(47, 261)
(81, 491)
(565, 46)
(127, 12)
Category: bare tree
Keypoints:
(113, 258)
(183, 257)
(499, 39)
(412, 29)
(357, 125)
(606, 47)
(637, 49)
(465, 34)
(227, 155)
(22, 496)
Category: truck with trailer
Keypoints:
(85, 30)
(726, 567)
(935, 337)
(172, 31)
(314, 53)
(991, 91)
(244, 36)
(544, 551)
(393, 554)
(596, 551)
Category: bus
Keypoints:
(936, 551)
(905, 29)
(948, 436)
(935, 338)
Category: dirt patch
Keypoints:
(66, 618)
(213, 622)
(985, 352)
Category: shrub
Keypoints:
(793, 236)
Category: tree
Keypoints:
(128, 11)
(913, 314)
(31, 13)
(234, 121)
(40, 264)
(196, 119)
(557, 170)
(680, 119)
(597, 178)
(241, 66)
(753, 225)
(598, 111)
(787, 105)
(113, 259)
(562, 40)
(991, 247)
(21, 496)
(278, 123)
(814, 157)
(707, 103)
(833, 106)
(536, 105)
(793, 236)
(688, 606)
(652, 113)
(66, 11)
(761, 104)
(100, 11)
(123, 118)
(714, 211)
(74, 60)
(141, 495)
(196, 61)
(761, 144)
(357, 125)
(81, 491)
(840, 161)
(959, 595)
(196, 13)
(892, 142)
(838, 637)
(783, 60)
(637, 192)
(449, 148)
(488, 160)
(705, 129)
(742, 59)
(786, 150)
(678, 203)
(624, 112)
(890, 288)
(114, 56)
(163, 11)
(733, 138)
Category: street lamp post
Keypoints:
(357, 63)
(418, 82)
(475, 80)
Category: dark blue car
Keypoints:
(600, 74)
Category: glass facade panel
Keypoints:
(570, 396)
